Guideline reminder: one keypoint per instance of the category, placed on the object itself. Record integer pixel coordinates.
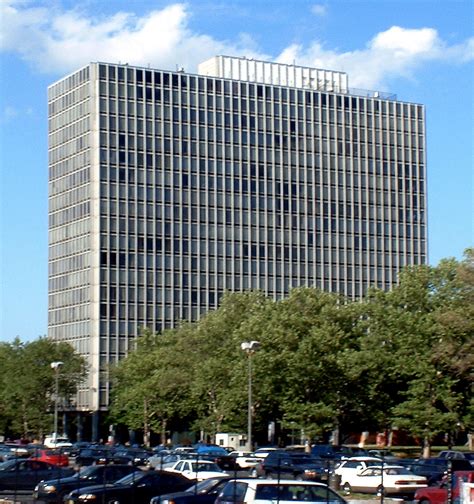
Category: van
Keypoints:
(57, 442)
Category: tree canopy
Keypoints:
(400, 358)
(27, 384)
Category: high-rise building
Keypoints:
(168, 188)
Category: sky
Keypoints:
(421, 50)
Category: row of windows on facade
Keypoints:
(77, 331)
(150, 140)
(206, 125)
(147, 78)
(166, 310)
(180, 276)
(160, 239)
(275, 160)
(69, 149)
(73, 171)
(184, 283)
(65, 85)
(70, 115)
(279, 213)
(306, 156)
(363, 250)
(247, 114)
(234, 193)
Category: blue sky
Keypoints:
(422, 50)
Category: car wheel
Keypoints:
(380, 491)
(424, 501)
(269, 475)
(253, 473)
(346, 488)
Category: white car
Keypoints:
(389, 480)
(353, 465)
(195, 469)
(263, 452)
(263, 491)
(246, 460)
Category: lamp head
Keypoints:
(56, 365)
(250, 346)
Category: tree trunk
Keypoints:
(163, 432)
(426, 448)
(146, 425)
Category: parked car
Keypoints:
(52, 456)
(6, 453)
(283, 464)
(197, 469)
(203, 492)
(94, 456)
(433, 469)
(387, 480)
(54, 490)
(218, 455)
(270, 491)
(24, 474)
(159, 461)
(328, 451)
(439, 494)
(264, 451)
(12, 450)
(245, 460)
(57, 442)
(135, 456)
(347, 468)
(137, 487)
(386, 455)
(457, 455)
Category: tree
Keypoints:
(409, 347)
(27, 384)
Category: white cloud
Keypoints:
(59, 40)
(395, 52)
(319, 10)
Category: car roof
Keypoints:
(362, 459)
(258, 481)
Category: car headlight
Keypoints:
(49, 488)
(87, 497)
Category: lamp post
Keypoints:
(56, 365)
(249, 347)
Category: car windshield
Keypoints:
(203, 486)
(88, 471)
(398, 470)
(200, 466)
(6, 466)
(302, 460)
(130, 479)
(295, 492)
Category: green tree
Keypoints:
(408, 349)
(27, 384)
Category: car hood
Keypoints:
(96, 488)
(61, 481)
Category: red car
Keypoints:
(52, 457)
(439, 494)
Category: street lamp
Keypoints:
(250, 347)
(56, 365)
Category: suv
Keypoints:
(300, 466)
(258, 491)
(433, 469)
